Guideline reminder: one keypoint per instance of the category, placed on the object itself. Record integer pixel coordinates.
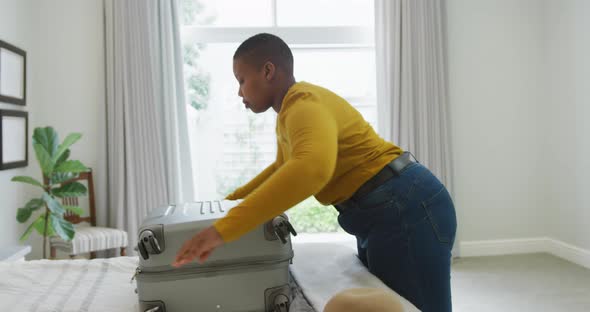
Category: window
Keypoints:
(333, 46)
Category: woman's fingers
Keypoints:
(186, 254)
(199, 246)
(203, 256)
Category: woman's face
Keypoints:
(255, 86)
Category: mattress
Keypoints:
(319, 271)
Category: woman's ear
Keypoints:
(269, 71)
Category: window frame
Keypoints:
(298, 38)
(344, 36)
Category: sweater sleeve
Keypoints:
(246, 189)
(243, 191)
(312, 133)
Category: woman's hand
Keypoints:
(199, 246)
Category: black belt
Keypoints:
(392, 169)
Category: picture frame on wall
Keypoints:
(14, 139)
(13, 74)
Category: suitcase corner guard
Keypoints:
(279, 228)
(278, 299)
(151, 241)
(152, 306)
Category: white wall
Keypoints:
(565, 128)
(66, 91)
(520, 92)
(496, 94)
(15, 20)
(68, 79)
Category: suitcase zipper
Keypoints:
(252, 265)
(137, 271)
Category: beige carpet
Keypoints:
(523, 283)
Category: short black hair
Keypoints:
(264, 47)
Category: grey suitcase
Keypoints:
(250, 274)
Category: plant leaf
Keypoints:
(28, 231)
(44, 159)
(23, 214)
(59, 177)
(40, 226)
(35, 204)
(62, 227)
(71, 166)
(28, 180)
(75, 209)
(74, 189)
(70, 139)
(53, 204)
(63, 158)
(47, 138)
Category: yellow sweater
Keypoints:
(325, 149)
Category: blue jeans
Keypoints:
(405, 231)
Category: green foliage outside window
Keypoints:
(196, 80)
(307, 217)
(310, 216)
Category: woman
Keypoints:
(402, 216)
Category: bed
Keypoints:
(105, 284)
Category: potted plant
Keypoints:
(56, 169)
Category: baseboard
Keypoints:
(502, 247)
(527, 245)
(569, 252)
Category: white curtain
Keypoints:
(412, 80)
(148, 154)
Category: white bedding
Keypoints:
(69, 285)
(324, 269)
(105, 284)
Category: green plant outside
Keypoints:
(310, 216)
(196, 80)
